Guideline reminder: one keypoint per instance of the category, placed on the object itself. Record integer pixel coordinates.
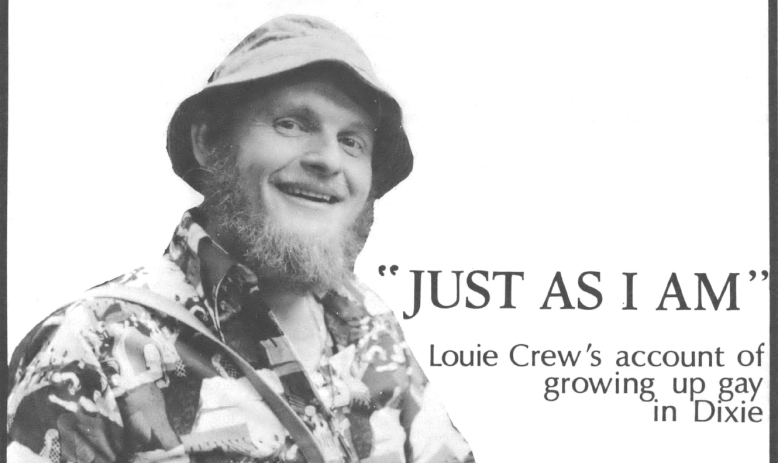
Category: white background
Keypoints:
(549, 136)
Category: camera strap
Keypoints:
(297, 429)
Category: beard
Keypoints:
(278, 256)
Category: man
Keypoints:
(250, 339)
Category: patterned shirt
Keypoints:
(103, 380)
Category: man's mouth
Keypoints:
(309, 193)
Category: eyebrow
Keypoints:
(303, 110)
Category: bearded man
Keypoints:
(250, 339)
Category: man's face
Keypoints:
(292, 182)
(304, 156)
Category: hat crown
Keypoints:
(294, 40)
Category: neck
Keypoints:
(279, 295)
(225, 239)
(280, 287)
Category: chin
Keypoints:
(302, 257)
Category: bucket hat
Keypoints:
(283, 45)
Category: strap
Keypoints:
(297, 429)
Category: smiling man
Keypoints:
(290, 181)
(250, 339)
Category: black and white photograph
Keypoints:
(344, 231)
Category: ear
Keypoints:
(200, 146)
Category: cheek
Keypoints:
(262, 151)
(251, 182)
(257, 163)
(362, 179)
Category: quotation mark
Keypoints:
(765, 274)
(392, 269)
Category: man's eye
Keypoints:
(354, 146)
(289, 127)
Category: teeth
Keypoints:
(309, 194)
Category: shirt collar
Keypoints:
(202, 260)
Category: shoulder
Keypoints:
(164, 277)
(360, 295)
(372, 301)
(73, 369)
(85, 329)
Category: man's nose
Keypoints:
(324, 155)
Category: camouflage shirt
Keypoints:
(104, 380)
